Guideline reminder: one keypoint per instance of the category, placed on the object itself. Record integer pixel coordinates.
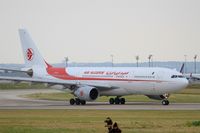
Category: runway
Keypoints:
(11, 99)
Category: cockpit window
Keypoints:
(174, 76)
(177, 76)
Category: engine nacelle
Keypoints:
(87, 93)
(158, 97)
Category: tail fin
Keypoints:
(31, 54)
(182, 67)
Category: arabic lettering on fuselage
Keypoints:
(106, 73)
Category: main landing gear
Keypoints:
(77, 101)
(117, 100)
(165, 102)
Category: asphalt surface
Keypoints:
(11, 99)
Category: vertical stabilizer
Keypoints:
(182, 68)
(31, 54)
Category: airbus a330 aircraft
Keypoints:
(88, 83)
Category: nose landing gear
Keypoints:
(165, 102)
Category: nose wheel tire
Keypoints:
(77, 102)
(165, 102)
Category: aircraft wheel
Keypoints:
(78, 101)
(72, 101)
(165, 102)
(83, 102)
(122, 100)
(117, 100)
(111, 101)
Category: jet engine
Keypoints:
(87, 93)
(158, 97)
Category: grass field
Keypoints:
(91, 121)
(189, 95)
(6, 86)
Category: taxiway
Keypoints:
(11, 99)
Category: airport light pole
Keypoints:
(195, 61)
(112, 56)
(137, 59)
(66, 61)
(149, 57)
(185, 63)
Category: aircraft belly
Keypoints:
(142, 88)
(162, 88)
(129, 88)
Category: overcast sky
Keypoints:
(90, 30)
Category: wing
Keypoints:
(65, 83)
(27, 71)
(13, 70)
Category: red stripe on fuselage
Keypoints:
(60, 73)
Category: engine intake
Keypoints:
(87, 93)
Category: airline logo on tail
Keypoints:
(29, 54)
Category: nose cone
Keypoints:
(183, 83)
(180, 84)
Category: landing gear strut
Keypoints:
(77, 101)
(165, 102)
(117, 100)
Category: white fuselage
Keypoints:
(126, 80)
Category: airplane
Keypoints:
(193, 78)
(89, 83)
